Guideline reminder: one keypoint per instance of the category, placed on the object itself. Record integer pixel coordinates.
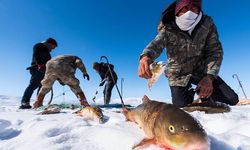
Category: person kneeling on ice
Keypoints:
(103, 70)
(63, 68)
(194, 54)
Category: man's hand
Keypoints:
(41, 68)
(86, 76)
(143, 70)
(205, 87)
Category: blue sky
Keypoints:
(118, 29)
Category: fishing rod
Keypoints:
(62, 94)
(97, 90)
(113, 79)
(235, 75)
(51, 96)
(122, 80)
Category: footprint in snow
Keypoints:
(6, 132)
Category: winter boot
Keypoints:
(82, 99)
(25, 106)
(39, 101)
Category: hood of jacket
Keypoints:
(168, 18)
(168, 15)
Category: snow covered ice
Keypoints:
(24, 129)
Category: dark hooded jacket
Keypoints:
(193, 55)
(41, 54)
(105, 73)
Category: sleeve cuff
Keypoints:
(145, 54)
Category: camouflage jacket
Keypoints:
(65, 65)
(193, 55)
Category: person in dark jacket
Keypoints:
(103, 70)
(41, 54)
(194, 55)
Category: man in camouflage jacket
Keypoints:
(194, 54)
(63, 68)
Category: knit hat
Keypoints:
(182, 3)
(96, 65)
(51, 41)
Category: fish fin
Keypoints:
(98, 109)
(128, 113)
(245, 102)
(150, 84)
(125, 111)
(165, 147)
(145, 99)
(78, 113)
(144, 142)
(208, 107)
(45, 112)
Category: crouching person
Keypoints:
(63, 68)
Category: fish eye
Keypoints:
(171, 129)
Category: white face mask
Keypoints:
(188, 20)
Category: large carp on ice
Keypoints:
(167, 126)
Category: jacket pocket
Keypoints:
(173, 71)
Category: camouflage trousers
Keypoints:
(68, 79)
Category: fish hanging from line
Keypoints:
(156, 68)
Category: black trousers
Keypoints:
(182, 96)
(35, 82)
(107, 91)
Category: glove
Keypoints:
(41, 68)
(86, 75)
(205, 87)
